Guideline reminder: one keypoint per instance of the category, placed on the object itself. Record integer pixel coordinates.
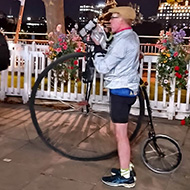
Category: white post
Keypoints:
(188, 89)
(171, 107)
(33, 46)
(2, 91)
(25, 95)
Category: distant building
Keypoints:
(7, 22)
(35, 25)
(11, 19)
(177, 14)
(89, 12)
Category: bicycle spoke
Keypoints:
(172, 154)
(153, 149)
(152, 157)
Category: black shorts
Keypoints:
(120, 107)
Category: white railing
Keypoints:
(28, 61)
(149, 48)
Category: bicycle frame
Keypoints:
(149, 110)
(151, 133)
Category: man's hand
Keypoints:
(98, 49)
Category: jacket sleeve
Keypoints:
(104, 64)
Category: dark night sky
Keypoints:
(35, 8)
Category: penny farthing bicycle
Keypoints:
(76, 131)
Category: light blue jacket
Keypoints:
(121, 62)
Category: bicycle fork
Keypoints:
(87, 77)
(87, 95)
(152, 133)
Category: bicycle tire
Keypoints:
(166, 163)
(48, 134)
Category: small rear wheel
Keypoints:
(161, 154)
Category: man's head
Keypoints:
(122, 17)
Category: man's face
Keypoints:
(115, 22)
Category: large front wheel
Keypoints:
(65, 127)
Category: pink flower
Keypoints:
(176, 54)
(58, 50)
(65, 46)
(168, 33)
(163, 48)
(51, 42)
(75, 38)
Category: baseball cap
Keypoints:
(125, 12)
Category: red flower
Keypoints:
(71, 67)
(183, 122)
(176, 68)
(78, 50)
(186, 71)
(178, 75)
(75, 62)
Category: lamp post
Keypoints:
(22, 3)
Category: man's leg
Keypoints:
(124, 178)
(120, 107)
(123, 144)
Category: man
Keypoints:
(120, 66)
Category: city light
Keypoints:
(175, 14)
(101, 5)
